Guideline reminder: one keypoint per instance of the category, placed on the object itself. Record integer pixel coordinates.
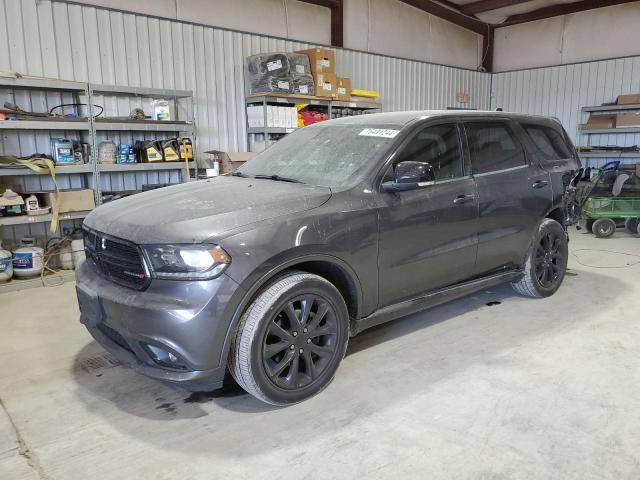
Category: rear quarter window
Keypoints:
(550, 143)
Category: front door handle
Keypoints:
(540, 184)
(460, 199)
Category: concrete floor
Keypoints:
(524, 389)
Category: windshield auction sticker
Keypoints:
(379, 132)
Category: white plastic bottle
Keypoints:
(32, 205)
(77, 248)
(6, 265)
(28, 260)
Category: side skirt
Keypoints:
(444, 295)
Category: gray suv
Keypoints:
(338, 227)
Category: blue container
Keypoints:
(126, 154)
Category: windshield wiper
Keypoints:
(278, 178)
(240, 174)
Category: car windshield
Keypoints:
(331, 155)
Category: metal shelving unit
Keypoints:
(26, 219)
(599, 158)
(597, 131)
(130, 167)
(44, 125)
(87, 129)
(290, 100)
(20, 171)
(611, 108)
(609, 155)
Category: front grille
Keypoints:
(114, 336)
(116, 259)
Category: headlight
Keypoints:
(186, 262)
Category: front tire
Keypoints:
(290, 340)
(546, 262)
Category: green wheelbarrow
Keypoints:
(601, 213)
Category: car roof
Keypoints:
(403, 118)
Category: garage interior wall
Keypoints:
(407, 31)
(602, 33)
(561, 91)
(85, 43)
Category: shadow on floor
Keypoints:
(384, 365)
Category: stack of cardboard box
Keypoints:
(323, 69)
(630, 119)
(621, 120)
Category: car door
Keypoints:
(513, 194)
(427, 236)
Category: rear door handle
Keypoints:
(540, 184)
(460, 199)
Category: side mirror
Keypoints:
(410, 176)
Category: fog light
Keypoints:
(164, 358)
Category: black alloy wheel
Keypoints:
(549, 259)
(300, 342)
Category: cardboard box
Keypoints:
(326, 85)
(343, 88)
(628, 99)
(70, 200)
(600, 121)
(322, 60)
(230, 161)
(625, 120)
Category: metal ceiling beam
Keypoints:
(450, 15)
(488, 5)
(558, 10)
(322, 3)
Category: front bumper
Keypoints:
(190, 320)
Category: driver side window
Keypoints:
(438, 145)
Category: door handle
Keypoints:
(540, 184)
(460, 199)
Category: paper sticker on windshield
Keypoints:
(379, 132)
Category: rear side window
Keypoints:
(493, 147)
(550, 143)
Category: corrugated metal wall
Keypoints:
(563, 90)
(82, 43)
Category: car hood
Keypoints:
(203, 210)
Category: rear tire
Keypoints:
(631, 225)
(290, 340)
(604, 227)
(546, 262)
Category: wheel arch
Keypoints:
(329, 267)
(557, 214)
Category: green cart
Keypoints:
(601, 213)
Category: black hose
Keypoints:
(76, 105)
